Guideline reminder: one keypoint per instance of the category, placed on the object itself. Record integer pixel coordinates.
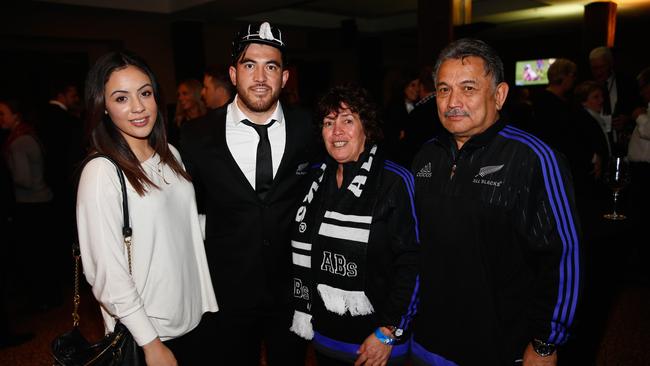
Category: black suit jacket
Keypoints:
(627, 95)
(247, 239)
(421, 126)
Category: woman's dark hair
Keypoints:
(359, 101)
(105, 138)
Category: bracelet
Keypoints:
(384, 338)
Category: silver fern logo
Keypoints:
(302, 168)
(485, 171)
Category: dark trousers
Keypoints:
(241, 333)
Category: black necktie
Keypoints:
(263, 163)
(607, 105)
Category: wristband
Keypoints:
(384, 338)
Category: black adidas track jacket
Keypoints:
(500, 261)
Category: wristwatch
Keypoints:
(395, 331)
(394, 337)
(542, 348)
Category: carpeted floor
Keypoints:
(45, 325)
(625, 341)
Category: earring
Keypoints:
(105, 111)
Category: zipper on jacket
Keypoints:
(454, 159)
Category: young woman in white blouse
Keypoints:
(170, 289)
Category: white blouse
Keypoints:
(171, 286)
(639, 146)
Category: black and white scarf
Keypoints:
(330, 242)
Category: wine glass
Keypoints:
(616, 176)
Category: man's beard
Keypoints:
(258, 105)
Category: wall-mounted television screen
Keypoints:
(532, 72)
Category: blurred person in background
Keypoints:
(189, 105)
(401, 102)
(8, 336)
(620, 96)
(217, 89)
(34, 212)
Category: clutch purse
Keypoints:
(117, 348)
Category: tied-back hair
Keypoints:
(105, 138)
(359, 101)
(470, 47)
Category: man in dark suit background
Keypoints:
(249, 191)
(60, 130)
(620, 94)
(423, 122)
(217, 90)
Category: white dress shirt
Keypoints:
(639, 147)
(605, 123)
(242, 140)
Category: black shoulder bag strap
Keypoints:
(126, 232)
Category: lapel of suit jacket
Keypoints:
(290, 146)
(223, 151)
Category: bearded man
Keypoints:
(249, 164)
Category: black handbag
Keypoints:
(117, 348)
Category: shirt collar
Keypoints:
(56, 102)
(236, 115)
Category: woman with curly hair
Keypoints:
(355, 242)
